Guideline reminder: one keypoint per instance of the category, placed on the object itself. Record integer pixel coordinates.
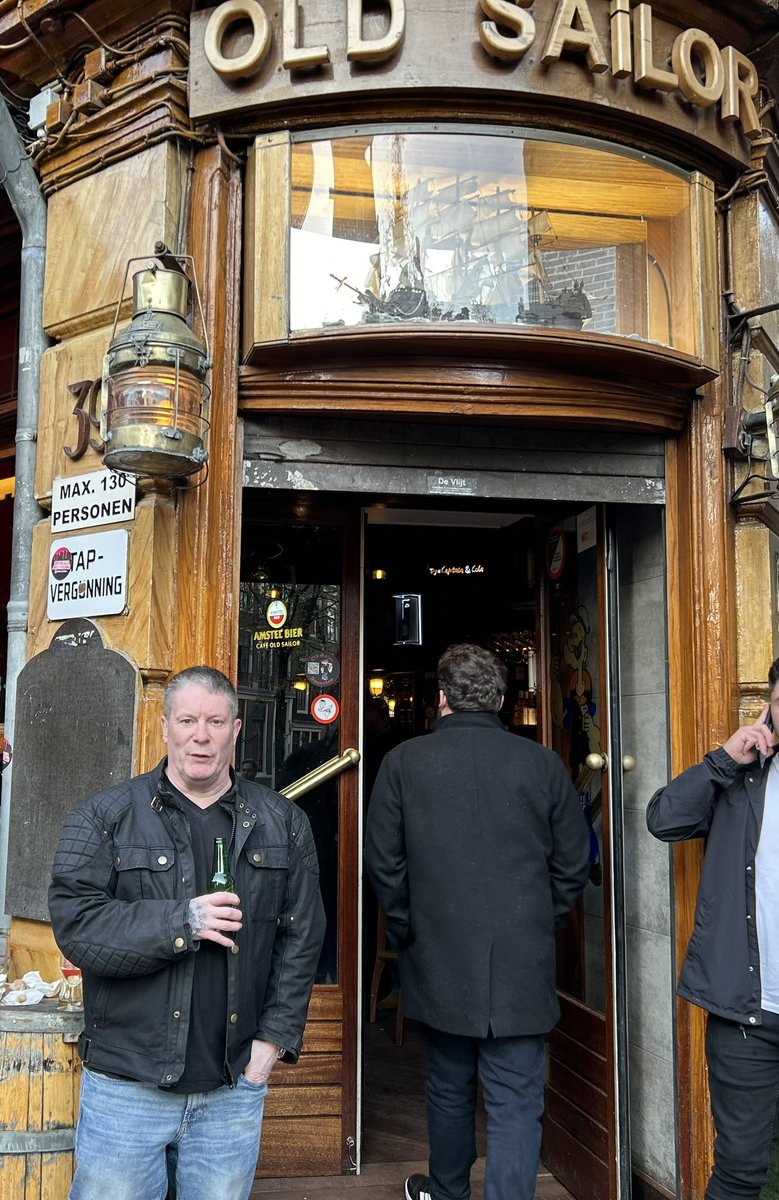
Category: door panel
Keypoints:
(297, 685)
(579, 1142)
(615, 961)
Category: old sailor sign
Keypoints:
(593, 53)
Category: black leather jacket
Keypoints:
(122, 880)
(722, 801)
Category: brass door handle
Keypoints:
(600, 762)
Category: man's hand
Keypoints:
(210, 917)
(263, 1060)
(751, 740)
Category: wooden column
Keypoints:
(208, 551)
(702, 673)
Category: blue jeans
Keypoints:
(511, 1070)
(743, 1063)
(129, 1135)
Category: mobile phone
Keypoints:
(769, 723)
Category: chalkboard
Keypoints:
(75, 721)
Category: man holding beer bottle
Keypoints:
(190, 900)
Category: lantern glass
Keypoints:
(154, 420)
(376, 685)
(155, 395)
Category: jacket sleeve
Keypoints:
(684, 808)
(300, 931)
(569, 861)
(97, 932)
(385, 848)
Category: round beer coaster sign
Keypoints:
(276, 614)
(325, 709)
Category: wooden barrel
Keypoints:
(40, 1074)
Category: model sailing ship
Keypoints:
(456, 253)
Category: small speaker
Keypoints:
(408, 619)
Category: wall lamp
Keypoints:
(376, 685)
(742, 426)
(752, 435)
(155, 395)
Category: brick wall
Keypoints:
(598, 270)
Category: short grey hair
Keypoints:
(472, 678)
(206, 677)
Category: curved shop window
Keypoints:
(467, 228)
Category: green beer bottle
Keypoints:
(221, 877)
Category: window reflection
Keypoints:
(439, 228)
(289, 658)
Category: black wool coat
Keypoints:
(476, 846)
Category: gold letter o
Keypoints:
(219, 22)
(709, 91)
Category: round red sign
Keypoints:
(325, 709)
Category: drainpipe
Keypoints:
(21, 183)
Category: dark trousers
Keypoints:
(743, 1065)
(511, 1070)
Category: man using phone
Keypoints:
(732, 963)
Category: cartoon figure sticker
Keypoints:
(276, 614)
(325, 709)
(322, 669)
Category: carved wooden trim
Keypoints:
(515, 388)
(40, 31)
(209, 516)
(154, 114)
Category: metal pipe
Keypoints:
(23, 189)
(320, 774)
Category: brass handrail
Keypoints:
(320, 774)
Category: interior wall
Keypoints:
(651, 978)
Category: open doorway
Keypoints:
(571, 597)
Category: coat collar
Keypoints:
(166, 792)
(468, 720)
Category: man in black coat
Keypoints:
(477, 847)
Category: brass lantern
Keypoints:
(155, 396)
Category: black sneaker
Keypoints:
(418, 1187)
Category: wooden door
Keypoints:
(299, 696)
(586, 1141)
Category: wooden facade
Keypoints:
(142, 146)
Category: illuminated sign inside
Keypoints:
(265, 639)
(467, 569)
